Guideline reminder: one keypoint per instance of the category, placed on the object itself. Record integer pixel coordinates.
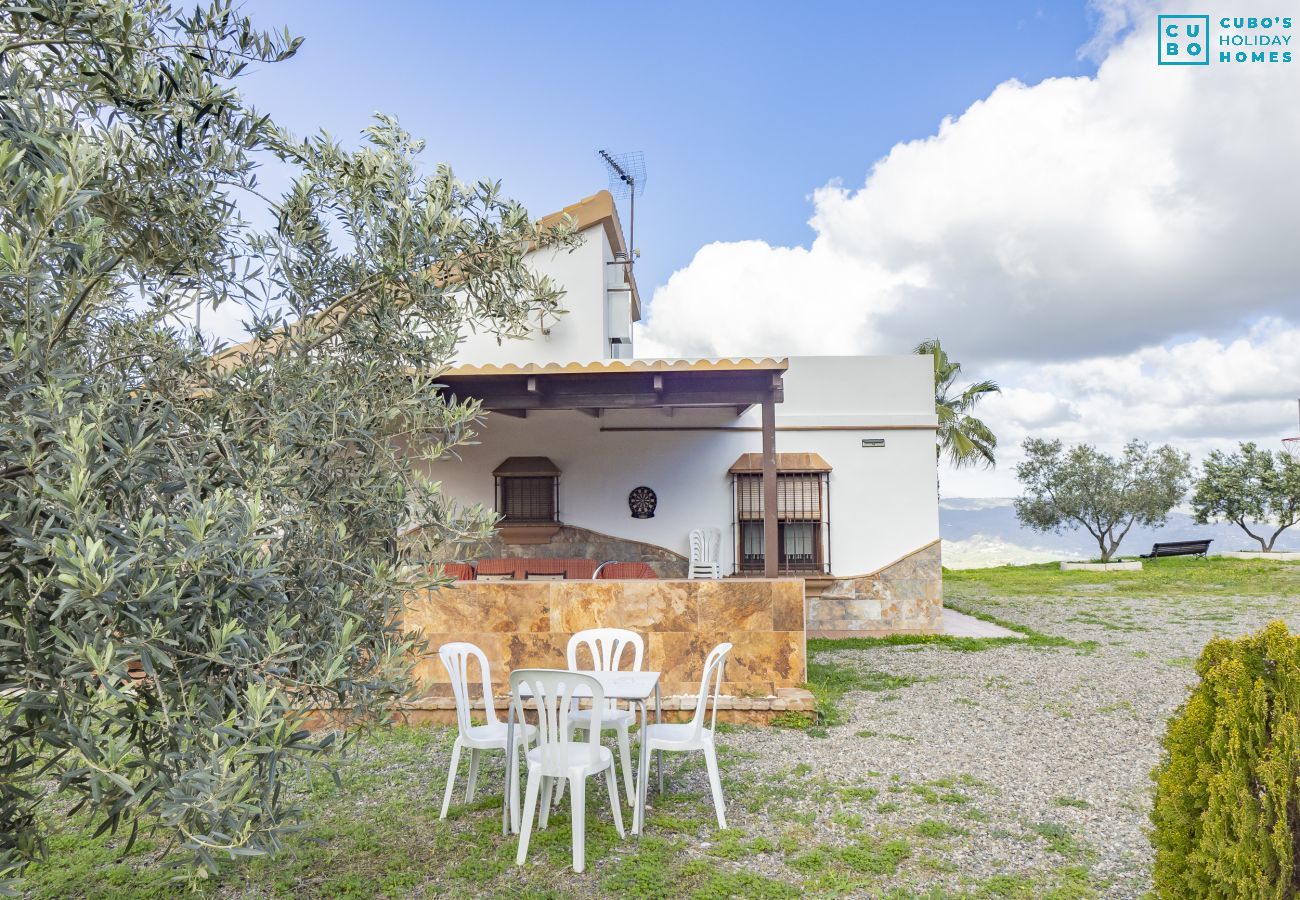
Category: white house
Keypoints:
(590, 452)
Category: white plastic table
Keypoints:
(631, 687)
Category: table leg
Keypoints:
(508, 795)
(642, 775)
(659, 754)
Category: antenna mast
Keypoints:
(1292, 444)
(626, 179)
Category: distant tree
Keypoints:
(1081, 487)
(966, 440)
(1257, 490)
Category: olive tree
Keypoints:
(197, 548)
(1081, 487)
(1256, 490)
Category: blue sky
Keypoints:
(742, 109)
(1111, 240)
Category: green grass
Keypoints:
(1176, 576)
(829, 682)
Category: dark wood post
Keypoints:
(771, 552)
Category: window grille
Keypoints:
(527, 499)
(803, 522)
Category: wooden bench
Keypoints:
(1178, 548)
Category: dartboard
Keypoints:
(643, 501)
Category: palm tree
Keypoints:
(966, 439)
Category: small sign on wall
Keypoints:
(873, 442)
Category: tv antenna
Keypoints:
(1292, 444)
(626, 180)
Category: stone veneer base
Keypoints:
(904, 597)
(677, 708)
(572, 542)
(527, 624)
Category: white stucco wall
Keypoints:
(582, 333)
(883, 503)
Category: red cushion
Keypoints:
(628, 570)
(503, 566)
(458, 570)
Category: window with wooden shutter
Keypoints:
(802, 514)
(528, 491)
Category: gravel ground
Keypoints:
(1040, 756)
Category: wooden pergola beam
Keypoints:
(623, 390)
(771, 547)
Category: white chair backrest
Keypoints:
(551, 692)
(608, 648)
(455, 657)
(710, 687)
(704, 545)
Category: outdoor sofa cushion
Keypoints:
(627, 570)
(458, 570)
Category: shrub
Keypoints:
(197, 548)
(1227, 806)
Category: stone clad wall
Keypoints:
(572, 542)
(903, 597)
(527, 624)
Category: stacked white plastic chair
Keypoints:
(558, 756)
(705, 543)
(476, 738)
(689, 737)
(608, 647)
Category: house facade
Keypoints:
(588, 451)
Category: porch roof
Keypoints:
(752, 463)
(619, 384)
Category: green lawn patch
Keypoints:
(1185, 576)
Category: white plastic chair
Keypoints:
(689, 736)
(476, 738)
(607, 647)
(558, 756)
(704, 553)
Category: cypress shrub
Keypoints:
(1227, 805)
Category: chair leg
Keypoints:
(451, 778)
(625, 757)
(520, 764)
(610, 780)
(548, 791)
(473, 776)
(530, 810)
(715, 783)
(578, 800)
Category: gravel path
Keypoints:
(1039, 757)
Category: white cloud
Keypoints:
(1199, 394)
(1076, 216)
(1093, 242)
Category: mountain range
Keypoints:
(983, 531)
